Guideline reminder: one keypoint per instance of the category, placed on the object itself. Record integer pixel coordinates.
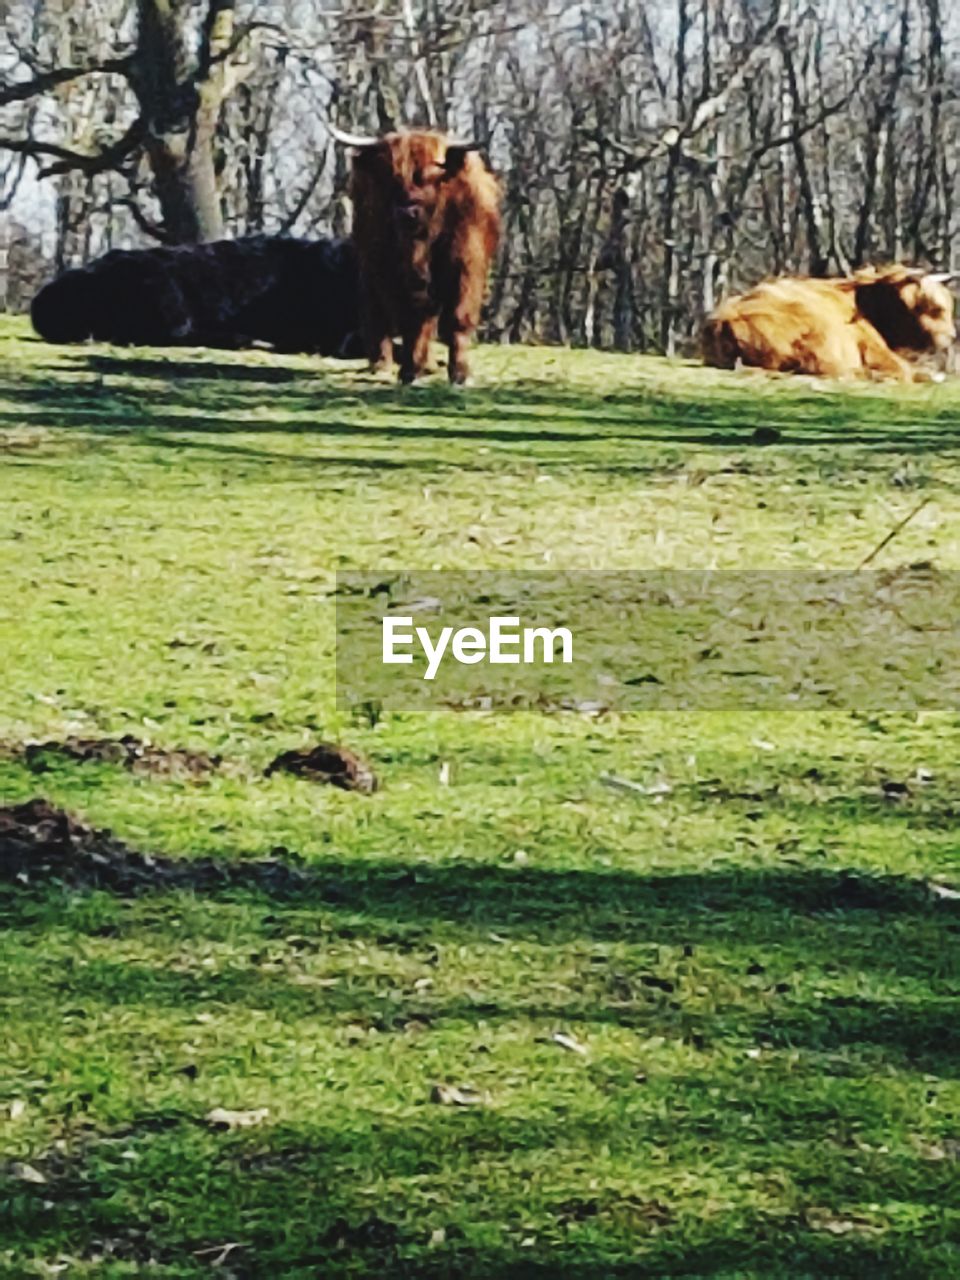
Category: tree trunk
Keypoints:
(884, 115)
(181, 99)
(185, 183)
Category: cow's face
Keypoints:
(932, 305)
(418, 172)
(412, 169)
(911, 310)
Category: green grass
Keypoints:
(764, 986)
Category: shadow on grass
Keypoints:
(216, 398)
(594, 903)
(408, 905)
(366, 1193)
(908, 1035)
(298, 1203)
(176, 369)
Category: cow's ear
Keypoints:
(456, 157)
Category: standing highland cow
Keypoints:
(426, 225)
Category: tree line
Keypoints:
(653, 153)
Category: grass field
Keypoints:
(754, 986)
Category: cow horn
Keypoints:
(940, 277)
(359, 140)
(456, 155)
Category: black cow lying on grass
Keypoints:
(297, 295)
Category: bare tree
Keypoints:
(166, 92)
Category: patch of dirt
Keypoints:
(327, 762)
(40, 842)
(128, 751)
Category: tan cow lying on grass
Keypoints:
(864, 325)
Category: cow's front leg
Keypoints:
(455, 329)
(377, 336)
(458, 370)
(427, 362)
(878, 358)
(416, 348)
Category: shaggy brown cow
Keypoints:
(864, 324)
(426, 224)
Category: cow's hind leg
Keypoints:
(719, 345)
(380, 354)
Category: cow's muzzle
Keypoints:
(408, 216)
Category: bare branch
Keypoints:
(303, 199)
(419, 65)
(22, 90)
(66, 160)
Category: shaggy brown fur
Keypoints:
(861, 325)
(426, 224)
